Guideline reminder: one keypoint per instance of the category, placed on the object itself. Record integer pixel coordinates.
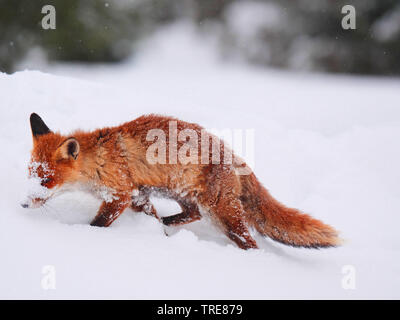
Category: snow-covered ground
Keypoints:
(328, 145)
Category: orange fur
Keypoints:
(115, 158)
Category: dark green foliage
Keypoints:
(308, 36)
(89, 30)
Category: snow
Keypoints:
(246, 19)
(387, 27)
(328, 145)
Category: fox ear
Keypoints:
(68, 149)
(38, 126)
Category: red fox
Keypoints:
(113, 164)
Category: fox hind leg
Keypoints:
(231, 217)
(225, 207)
(190, 213)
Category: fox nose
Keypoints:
(24, 205)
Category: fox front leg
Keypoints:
(109, 211)
(141, 203)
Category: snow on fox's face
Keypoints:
(53, 163)
(41, 184)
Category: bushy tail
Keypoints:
(289, 226)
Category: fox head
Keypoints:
(53, 163)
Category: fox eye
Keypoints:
(45, 181)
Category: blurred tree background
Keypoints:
(290, 34)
